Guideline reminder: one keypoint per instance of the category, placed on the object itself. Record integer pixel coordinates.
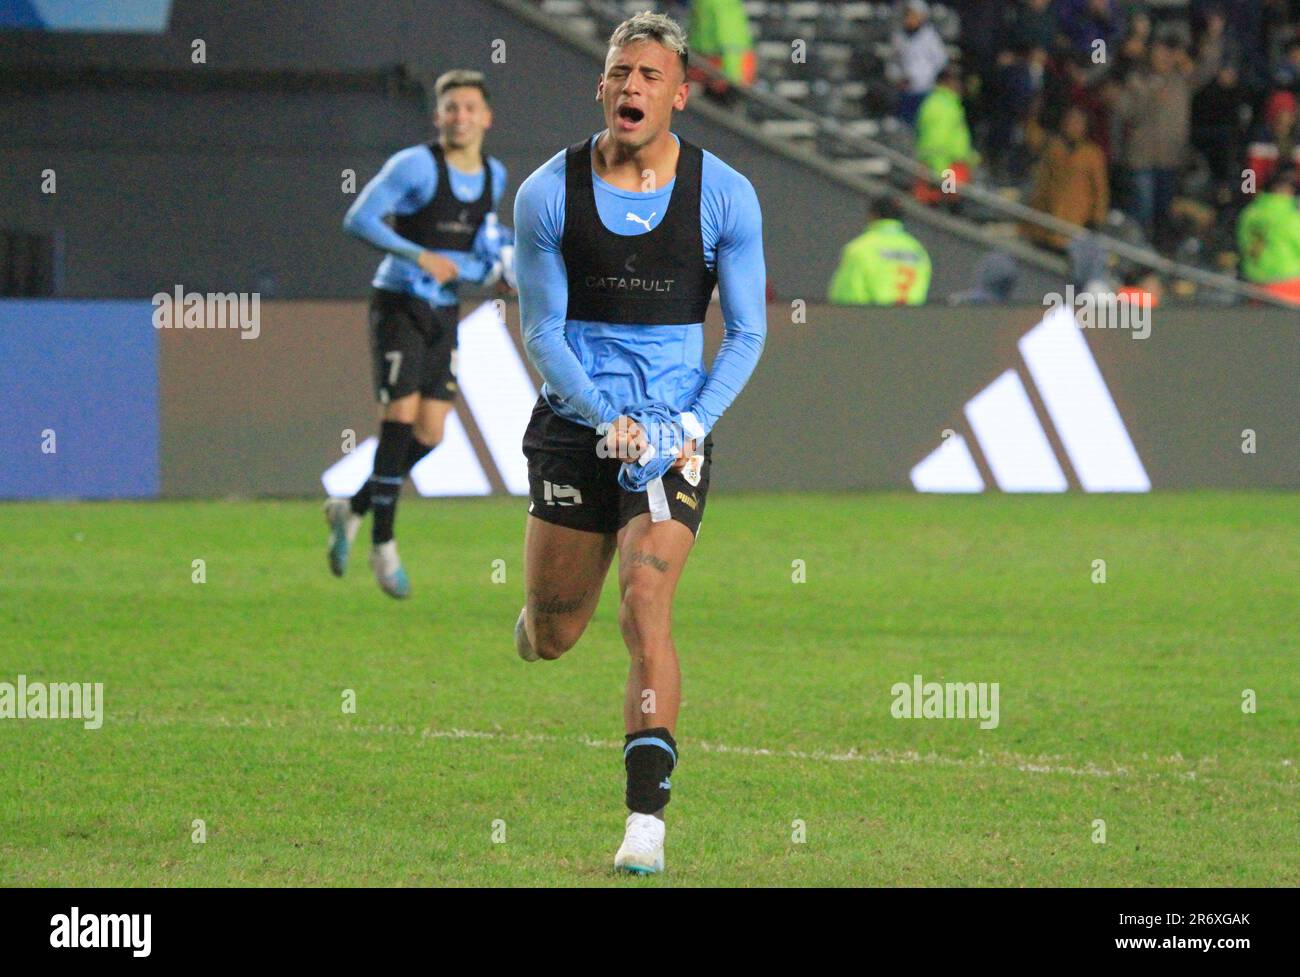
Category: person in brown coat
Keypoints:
(1071, 183)
(1156, 108)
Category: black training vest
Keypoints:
(447, 223)
(656, 278)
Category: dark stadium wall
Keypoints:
(849, 399)
(241, 190)
(855, 398)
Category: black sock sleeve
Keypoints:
(649, 756)
(386, 481)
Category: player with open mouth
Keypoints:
(621, 239)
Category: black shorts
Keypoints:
(412, 346)
(571, 485)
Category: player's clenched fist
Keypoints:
(442, 269)
(685, 455)
(624, 440)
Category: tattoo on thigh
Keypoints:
(545, 606)
(639, 558)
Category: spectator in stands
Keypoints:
(884, 265)
(1034, 25)
(1090, 265)
(995, 282)
(1245, 34)
(1072, 183)
(1014, 91)
(1134, 47)
(720, 32)
(1213, 20)
(943, 139)
(1287, 73)
(1217, 128)
(1278, 27)
(1155, 105)
(983, 31)
(983, 35)
(1073, 80)
(1276, 142)
(918, 55)
(1084, 22)
(1268, 237)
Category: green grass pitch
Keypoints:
(1119, 701)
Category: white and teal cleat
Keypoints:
(343, 523)
(642, 851)
(388, 570)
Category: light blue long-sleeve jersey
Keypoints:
(593, 370)
(407, 182)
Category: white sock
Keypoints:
(384, 558)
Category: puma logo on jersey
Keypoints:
(643, 222)
(688, 500)
(560, 494)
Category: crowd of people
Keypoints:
(1183, 119)
(1174, 126)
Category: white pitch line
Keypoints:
(1041, 764)
(1007, 761)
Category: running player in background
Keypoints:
(442, 199)
(620, 241)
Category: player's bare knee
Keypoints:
(556, 616)
(550, 641)
(552, 633)
(642, 613)
(550, 649)
(403, 410)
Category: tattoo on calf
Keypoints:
(555, 604)
(638, 558)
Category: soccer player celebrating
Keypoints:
(620, 240)
(442, 198)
